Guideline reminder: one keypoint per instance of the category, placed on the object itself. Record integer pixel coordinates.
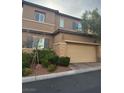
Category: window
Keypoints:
(40, 43)
(40, 17)
(35, 41)
(77, 26)
(61, 22)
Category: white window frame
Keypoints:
(40, 14)
(38, 42)
(61, 23)
(41, 43)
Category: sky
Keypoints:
(71, 7)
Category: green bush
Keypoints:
(26, 59)
(45, 54)
(51, 68)
(54, 60)
(64, 61)
(26, 71)
(45, 63)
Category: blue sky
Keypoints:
(70, 7)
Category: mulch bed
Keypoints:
(40, 70)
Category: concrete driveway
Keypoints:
(85, 65)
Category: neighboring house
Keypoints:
(63, 33)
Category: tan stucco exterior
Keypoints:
(29, 11)
(51, 23)
(79, 47)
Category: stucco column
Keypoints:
(63, 47)
(60, 48)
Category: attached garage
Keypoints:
(81, 52)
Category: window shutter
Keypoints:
(29, 41)
(36, 16)
(46, 43)
(74, 25)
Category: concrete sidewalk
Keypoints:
(76, 69)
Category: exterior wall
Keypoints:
(60, 48)
(51, 23)
(56, 48)
(29, 22)
(61, 37)
(58, 38)
(34, 25)
(68, 22)
(78, 38)
(59, 45)
(29, 11)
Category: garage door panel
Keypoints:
(81, 53)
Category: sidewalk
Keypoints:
(76, 69)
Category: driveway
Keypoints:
(88, 82)
(84, 65)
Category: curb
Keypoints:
(55, 75)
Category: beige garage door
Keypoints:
(81, 53)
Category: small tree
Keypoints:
(92, 20)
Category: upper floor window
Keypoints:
(77, 26)
(40, 17)
(61, 22)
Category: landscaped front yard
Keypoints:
(45, 62)
(40, 70)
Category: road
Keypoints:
(89, 82)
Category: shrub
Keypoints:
(26, 59)
(45, 54)
(26, 71)
(54, 60)
(64, 61)
(51, 67)
(45, 63)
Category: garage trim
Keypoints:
(87, 43)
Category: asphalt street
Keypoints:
(89, 82)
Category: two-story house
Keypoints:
(63, 33)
